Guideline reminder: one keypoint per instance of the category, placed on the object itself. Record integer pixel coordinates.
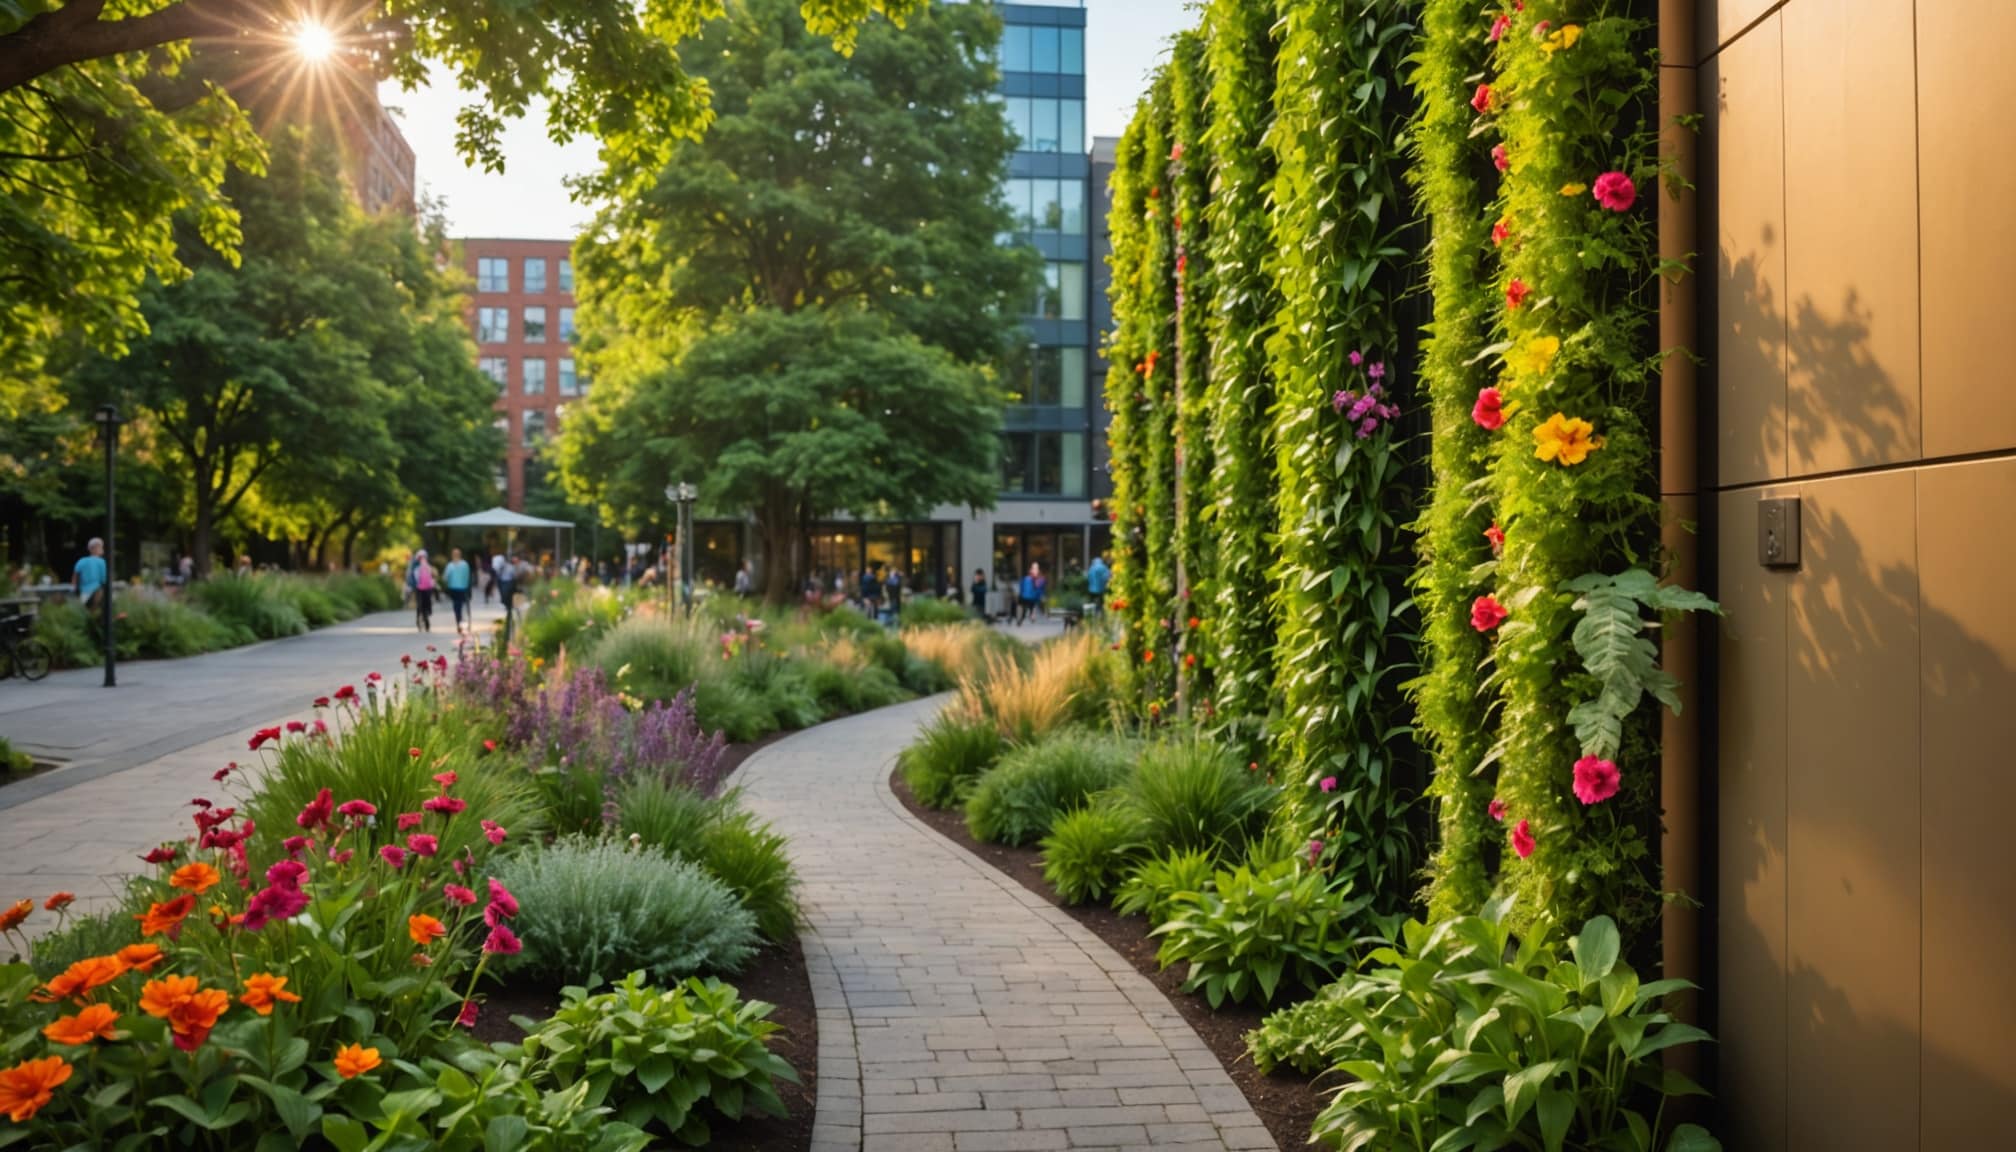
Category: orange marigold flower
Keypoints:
(25, 1088)
(1564, 440)
(197, 877)
(12, 918)
(354, 1060)
(158, 998)
(1148, 657)
(425, 929)
(93, 1022)
(262, 989)
(140, 957)
(59, 901)
(166, 918)
(81, 978)
(193, 1018)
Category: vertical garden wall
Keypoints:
(1333, 222)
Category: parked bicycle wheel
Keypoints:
(32, 659)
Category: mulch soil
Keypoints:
(776, 976)
(1285, 1101)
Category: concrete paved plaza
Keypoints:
(958, 1011)
(134, 755)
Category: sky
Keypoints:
(1124, 39)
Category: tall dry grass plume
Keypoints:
(1026, 703)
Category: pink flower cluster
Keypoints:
(1368, 409)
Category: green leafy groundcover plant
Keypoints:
(1151, 889)
(949, 757)
(1472, 1039)
(661, 1059)
(1256, 927)
(1089, 850)
(1195, 794)
(1018, 800)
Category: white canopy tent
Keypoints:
(509, 521)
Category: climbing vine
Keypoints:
(1127, 347)
(1340, 581)
(1157, 298)
(1190, 182)
(1456, 531)
(1240, 620)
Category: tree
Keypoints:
(801, 309)
(329, 367)
(105, 135)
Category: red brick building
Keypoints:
(522, 315)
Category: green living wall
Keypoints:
(1189, 228)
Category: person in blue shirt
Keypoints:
(1028, 592)
(1097, 577)
(89, 575)
(455, 578)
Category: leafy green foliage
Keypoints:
(949, 756)
(590, 908)
(1088, 851)
(806, 319)
(745, 854)
(475, 1100)
(651, 658)
(1450, 705)
(1255, 928)
(1195, 545)
(922, 611)
(1017, 800)
(667, 816)
(1240, 50)
(1615, 651)
(1339, 587)
(253, 605)
(662, 1059)
(1194, 794)
(1151, 889)
(1471, 1039)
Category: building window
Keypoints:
(1047, 205)
(566, 325)
(535, 377)
(493, 325)
(1027, 48)
(535, 274)
(504, 427)
(498, 369)
(1062, 295)
(569, 385)
(566, 275)
(1057, 377)
(535, 428)
(1043, 464)
(1046, 125)
(535, 325)
(493, 274)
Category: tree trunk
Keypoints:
(777, 519)
(200, 541)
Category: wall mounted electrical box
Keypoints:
(1778, 532)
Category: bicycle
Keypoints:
(25, 656)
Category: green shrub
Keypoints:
(250, 603)
(364, 592)
(743, 853)
(734, 708)
(664, 1058)
(670, 817)
(780, 685)
(1089, 850)
(1194, 794)
(1251, 930)
(921, 611)
(1450, 1044)
(842, 690)
(845, 621)
(13, 761)
(66, 628)
(553, 625)
(924, 677)
(948, 757)
(592, 907)
(373, 761)
(1016, 802)
(1151, 889)
(650, 658)
(312, 598)
(885, 649)
(151, 629)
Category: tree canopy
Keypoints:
(801, 310)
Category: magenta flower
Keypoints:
(1486, 613)
(1499, 158)
(1357, 358)
(287, 874)
(357, 808)
(1614, 190)
(316, 814)
(1500, 26)
(446, 805)
(503, 905)
(295, 845)
(394, 855)
(1329, 784)
(1315, 850)
(1497, 809)
(1595, 780)
(342, 857)
(422, 844)
(1522, 839)
(445, 779)
(459, 895)
(410, 820)
(467, 1017)
(501, 941)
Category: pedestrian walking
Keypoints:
(871, 591)
(455, 578)
(745, 582)
(87, 579)
(1025, 594)
(424, 584)
(1097, 577)
(979, 592)
(1042, 591)
(893, 595)
(506, 571)
(489, 575)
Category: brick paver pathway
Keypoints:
(958, 1011)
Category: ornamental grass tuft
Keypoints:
(1018, 800)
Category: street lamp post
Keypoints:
(683, 495)
(107, 418)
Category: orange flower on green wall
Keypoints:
(1564, 440)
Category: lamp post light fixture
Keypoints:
(683, 495)
(107, 419)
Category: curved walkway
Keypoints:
(958, 1011)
